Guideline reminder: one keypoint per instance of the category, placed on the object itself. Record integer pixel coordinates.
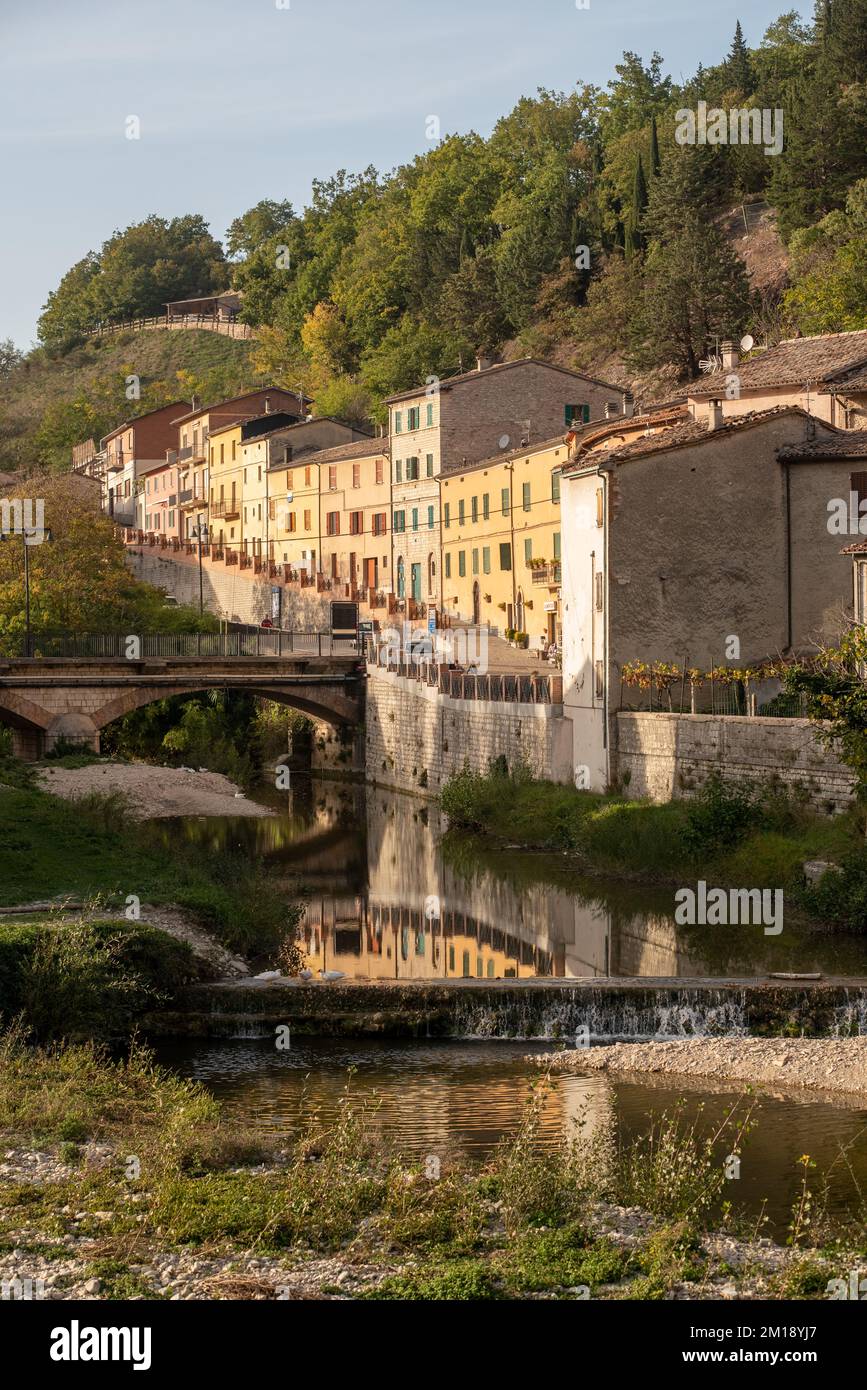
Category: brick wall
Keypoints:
(671, 755)
(417, 738)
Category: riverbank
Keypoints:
(152, 792)
(829, 1066)
(119, 1181)
(760, 836)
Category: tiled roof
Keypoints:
(446, 383)
(360, 449)
(536, 447)
(686, 432)
(793, 362)
(244, 396)
(856, 548)
(852, 444)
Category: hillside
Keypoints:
(50, 402)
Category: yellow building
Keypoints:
(501, 541)
(355, 504)
(226, 486)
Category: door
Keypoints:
(371, 577)
(416, 583)
(476, 604)
(401, 581)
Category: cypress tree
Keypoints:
(634, 231)
(739, 69)
(654, 148)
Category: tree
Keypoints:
(829, 267)
(836, 693)
(738, 67)
(655, 161)
(259, 224)
(634, 232)
(10, 358)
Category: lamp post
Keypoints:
(200, 533)
(27, 534)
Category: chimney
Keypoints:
(195, 401)
(267, 406)
(483, 363)
(729, 354)
(628, 404)
(714, 415)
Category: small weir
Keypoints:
(608, 1010)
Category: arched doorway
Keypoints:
(477, 605)
(519, 612)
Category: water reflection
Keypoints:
(387, 898)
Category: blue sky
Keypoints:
(240, 100)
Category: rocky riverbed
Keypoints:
(153, 792)
(833, 1066)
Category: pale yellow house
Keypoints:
(501, 542)
(355, 526)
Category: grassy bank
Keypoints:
(758, 835)
(150, 1188)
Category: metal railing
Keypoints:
(243, 642)
(501, 687)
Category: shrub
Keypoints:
(840, 896)
(719, 817)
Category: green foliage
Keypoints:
(839, 899)
(836, 691)
(719, 817)
(829, 262)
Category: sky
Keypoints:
(239, 100)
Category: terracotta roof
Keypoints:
(793, 362)
(233, 400)
(136, 420)
(851, 444)
(360, 449)
(856, 548)
(536, 447)
(686, 432)
(446, 383)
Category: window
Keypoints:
(557, 545)
(413, 417)
(475, 562)
(356, 523)
(398, 471)
(486, 559)
(290, 521)
(412, 470)
(379, 470)
(447, 517)
(505, 556)
(461, 512)
(171, 518)
(428, 465)
(306, 521)
(380, 521)
(577, 414)
(462, 563)
(332, 524)
(600, 506)
(430, 518)
(399, 521)
(356, 475)
(398, 422)
(505, 498)
(429, 415)
(332, 477)
(600, 681)
(415, 518)
(598, 584)
(525, 496)
(307, 473)
(234, 450)
(555, 487)
(486, 506)
(474, 509)
(448, 565)
(222, 453)
(528, 551)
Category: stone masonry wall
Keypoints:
(239, 595)
(417, 738)
(671, 755)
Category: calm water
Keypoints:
(460, 1099)
(389, 896)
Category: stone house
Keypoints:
(130, 451)
(825, 375)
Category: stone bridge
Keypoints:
(48, 699)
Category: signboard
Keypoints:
(550, 606)
(344, 619)
(431, 618)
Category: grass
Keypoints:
(759, 835)
(521, 1225)
(51, 848)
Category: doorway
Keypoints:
(416, 583)
(477, 604)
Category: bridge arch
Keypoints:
(329, 706)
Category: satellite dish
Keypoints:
(505, 441)
(747, 343)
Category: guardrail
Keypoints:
(179, 646)
(502, 687)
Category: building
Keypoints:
(236, 482)
(224, 306)
(825, 375)
(355, 506)
(439, 428)
(698, 542)
(192, 443)
(126, 454)
(501, 541)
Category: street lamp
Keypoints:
(200, 533)
(27, 531)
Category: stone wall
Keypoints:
(671, 755)
(417, 738)
(239, 595)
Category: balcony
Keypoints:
(226, 511)
(549, 575)
(191, 497)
